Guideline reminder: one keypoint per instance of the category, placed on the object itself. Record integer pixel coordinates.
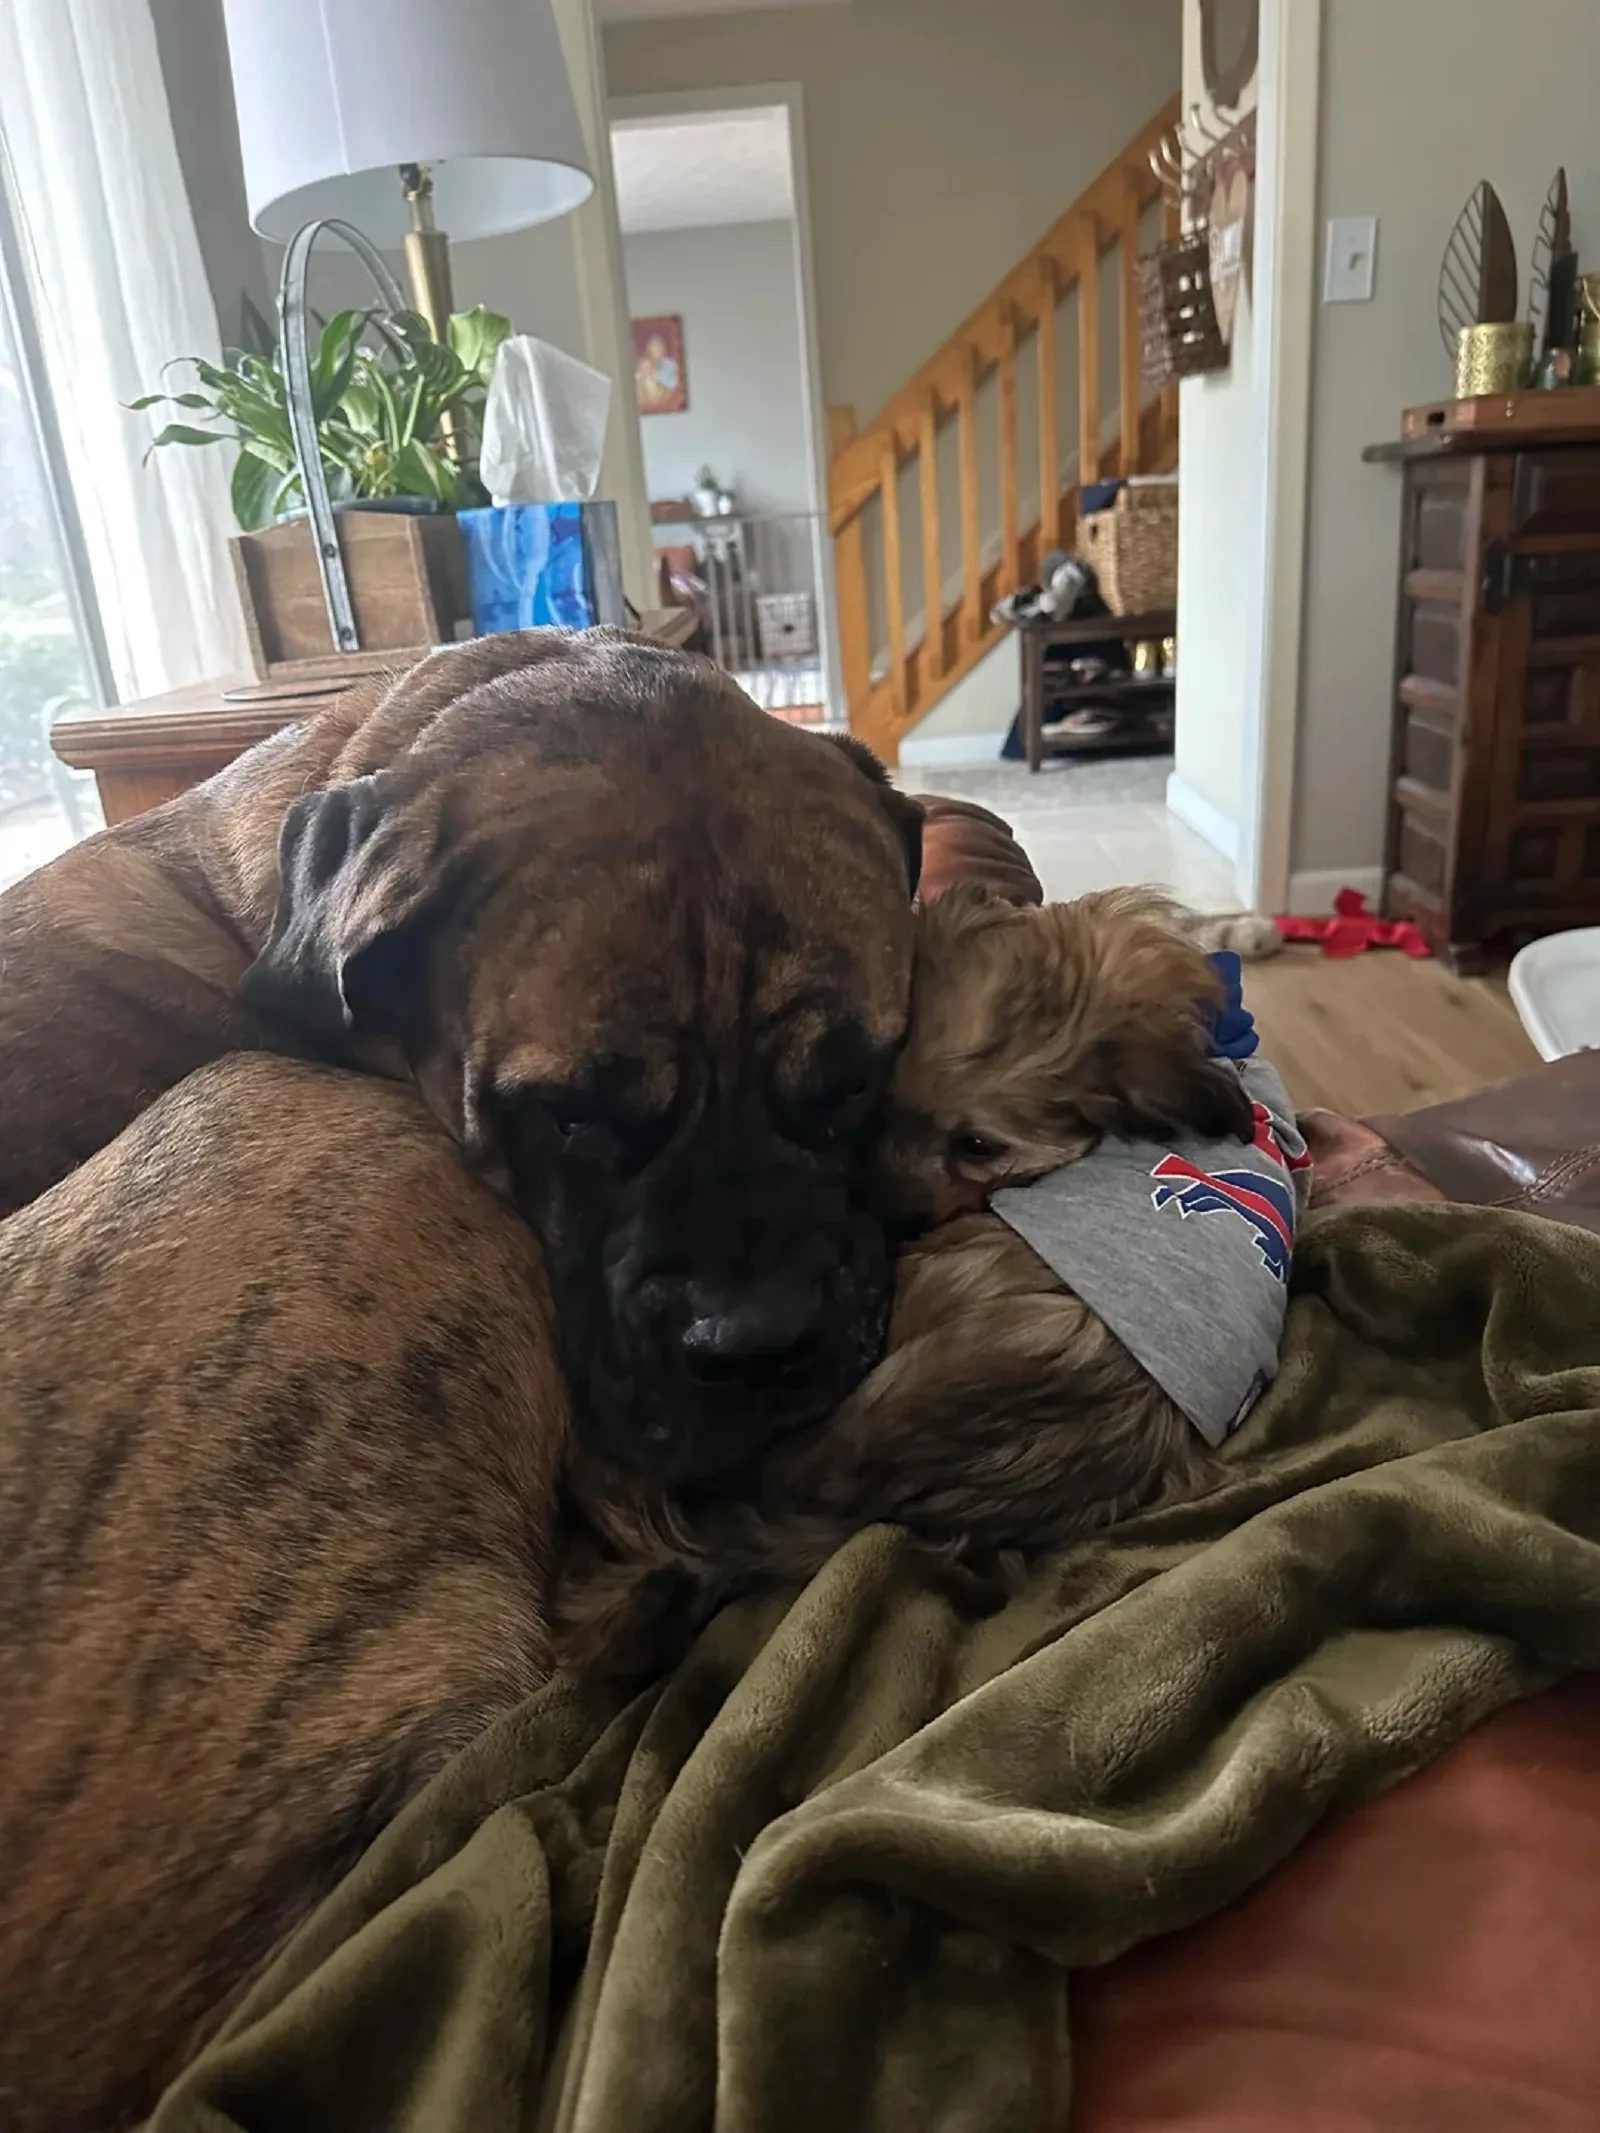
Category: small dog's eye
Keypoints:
(970, 1147)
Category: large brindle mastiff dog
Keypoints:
(280, 1413)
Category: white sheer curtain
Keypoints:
(120, 290)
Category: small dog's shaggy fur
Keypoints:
(1006, 1419)
(1035, 1033)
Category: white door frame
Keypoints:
(1288, 120)
(791, 97)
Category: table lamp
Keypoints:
(404, 115)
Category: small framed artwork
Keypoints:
(660, 376)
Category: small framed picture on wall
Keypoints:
(660, 376)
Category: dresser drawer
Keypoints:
(1556, 492)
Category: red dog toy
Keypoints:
(1354, 929)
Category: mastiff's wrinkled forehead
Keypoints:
(648, 951)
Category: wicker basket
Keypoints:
(1134, 550)
(1178, 331)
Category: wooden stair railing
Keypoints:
(890, 681)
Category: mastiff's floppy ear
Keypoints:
(904, 813)
(344, 958)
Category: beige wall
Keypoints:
(736, 288)
(1420, 100)
(194, 63)
(1221, 421)
(596, 240)
(943, 139)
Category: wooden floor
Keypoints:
(1381, 1032)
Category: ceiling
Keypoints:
(654, 10)
(691, 173)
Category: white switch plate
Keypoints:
(1352, 260)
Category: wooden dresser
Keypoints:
(1494, 818)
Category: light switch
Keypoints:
(1352, 260)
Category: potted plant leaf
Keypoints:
(397, 416)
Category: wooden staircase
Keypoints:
(1039, 385)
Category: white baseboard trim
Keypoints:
(952, 751)
(1195, 812)
(1311, 895)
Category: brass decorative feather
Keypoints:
(1478, 275)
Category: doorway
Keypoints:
(716, 257)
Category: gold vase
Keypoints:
(1586, 370)
(1493, 359)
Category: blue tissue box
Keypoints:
(532, 566)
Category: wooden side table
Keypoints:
(151, 751)
(1136, 694)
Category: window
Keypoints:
(48, 666)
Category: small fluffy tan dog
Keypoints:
(1006, 1420)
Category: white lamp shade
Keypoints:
(334, 95)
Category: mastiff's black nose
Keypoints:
(753, 1334)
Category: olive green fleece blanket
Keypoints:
(838, 1869)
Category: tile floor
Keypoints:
(1094, 825)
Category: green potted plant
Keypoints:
(397, 416)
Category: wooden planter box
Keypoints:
(408, 587)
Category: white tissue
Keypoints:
(544, 425)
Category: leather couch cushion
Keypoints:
(1531, 1144)
(964, 842)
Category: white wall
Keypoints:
(736, 289)
(943, 139)
(1220, 423)
(1419, 101)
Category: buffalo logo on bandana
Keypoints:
(1265, 1204)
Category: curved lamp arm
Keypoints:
(292, 314)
